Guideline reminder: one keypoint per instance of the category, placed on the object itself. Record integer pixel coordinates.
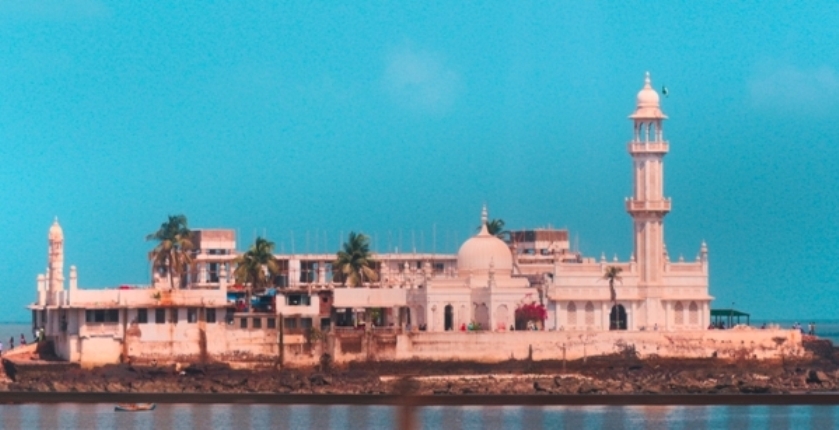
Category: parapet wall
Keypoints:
(542, 345)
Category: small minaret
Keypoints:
(55, 267)
(648, 206)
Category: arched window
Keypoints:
(589, 314)
(679, 310)
(572, 314)
(693, 313)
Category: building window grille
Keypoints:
(142, 316)
(679, 311)
(228, 316)
(693, 313)
(290, 323)
(271, 323)
(589, 314)
(211, 315)
(173, 316)
(243, 323)
(192, 315)
(257, 323)
(160, 316)
(305, 323)
(572, 314)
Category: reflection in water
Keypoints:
(200, 416)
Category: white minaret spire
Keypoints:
(55, 267)
(648, 206)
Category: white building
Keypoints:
(480, 287)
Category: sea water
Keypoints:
(187, 416)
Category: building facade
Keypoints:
(477, 290)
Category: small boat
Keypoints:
(134, 407)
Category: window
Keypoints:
(272, 323)
(572, 314)
(298, 300)
(306, 323)
(438, 268)
(191, 315)
(101, 316)
(290, 323)
(173, 316)
(142, 316)
(159, 316)
(257, 323)
(211, 315)
(228, 316)
(243, 323)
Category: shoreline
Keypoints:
(536, 400)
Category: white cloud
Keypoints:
(421, 81)
(53, 10)
(790, 88)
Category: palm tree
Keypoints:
(495, 227)
(173, 248)
(355, 261)
(256, 267)
(612, 274)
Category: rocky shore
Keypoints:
(614, 374)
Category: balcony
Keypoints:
(635, 206)
(642, 148)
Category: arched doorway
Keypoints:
(617, 318)
(448, 323)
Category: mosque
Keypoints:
(421, 305)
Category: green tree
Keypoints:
(612, 274)
(495, 227)
(256, 267)
(174, 246)
(355, 262)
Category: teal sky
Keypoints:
(403, 119)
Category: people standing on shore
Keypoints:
(1, 348)
(22, 340)
(11, 343)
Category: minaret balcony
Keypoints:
(651, 148)
(638, 206)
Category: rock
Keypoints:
(319, 379)
(587, 388)
(817, 377)
(539, 387)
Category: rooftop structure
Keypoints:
(485, 288)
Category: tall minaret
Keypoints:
(55, 275)
(648, 206)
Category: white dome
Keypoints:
(647, 97)
(483, 251)
(648, 103)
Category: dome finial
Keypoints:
(484, 230)
(647, 79)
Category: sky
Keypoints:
(302, 121)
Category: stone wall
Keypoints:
(547, 345)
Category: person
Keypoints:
(22, 340)
(1, 348)
(763, 327)
(11, 343)
(811, 329)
